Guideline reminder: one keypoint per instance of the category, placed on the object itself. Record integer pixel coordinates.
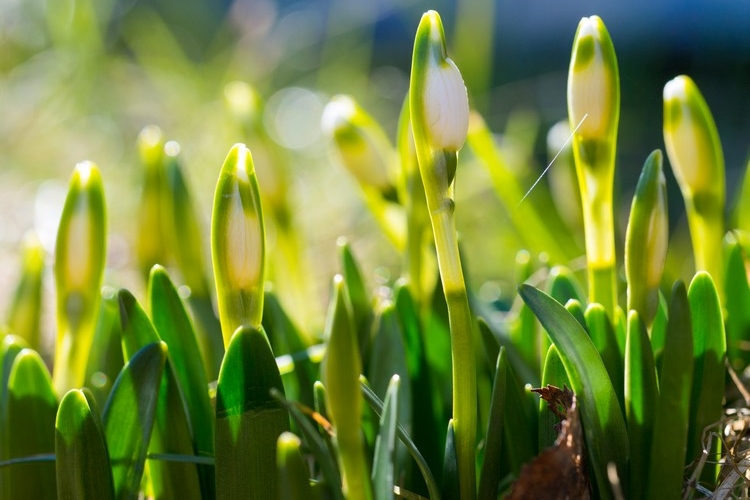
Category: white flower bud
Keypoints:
(446, 105)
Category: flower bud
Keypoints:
(441, 112)
(691, 139)
(593, 82)
(237, 243)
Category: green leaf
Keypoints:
(10, 347)
(377, 405)
(709, 353)
(659, 331)
(31, 408)
(603, 422)
(563, 285)
(248, 419)
(129, 417)
(491, 465)
(362, 313)
(294, 483)
(520, 424)
(450, 489)
(641, 394)
(673, 406)
(174, 327)
(81, 457)
(737, 293)
(383, 467)
(318, 447)
(106, 359)
(603, 336)
(554, 374)
(341, 370)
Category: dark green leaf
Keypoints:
(603, 422)
(491, 465)
(248, 419)
(383, 467)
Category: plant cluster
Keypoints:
(210, 387)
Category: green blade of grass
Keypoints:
(175, 328)
(384, 466)
(129, 417)
(491, 465)
(554, 374)
(641, 394)
(248, 420)
(709, 353)
(81, 456)
(603, 422)
(31, 408)
(603, 336)
(672, 415)
(737, 293)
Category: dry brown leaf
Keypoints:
(559, 472)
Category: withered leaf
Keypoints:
(559, 472)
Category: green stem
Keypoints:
(706, 221)
(460, 322)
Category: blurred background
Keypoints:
(79, 79)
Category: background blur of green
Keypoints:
(80, 78)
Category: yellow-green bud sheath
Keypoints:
(80, 254)
(361, 144)
(362, 147)
(439, 118)
(238, 244)
(151, 245)
(646, 239)
(695, 153)
(594, 109)
(341, 370)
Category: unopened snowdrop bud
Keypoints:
(237, 243)
(593, 82)
(691, 139)
(646, 239)
(80, 254)
(359, 142)
(440, 104)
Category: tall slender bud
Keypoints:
(238, 243)
(695, 153)
(594, 111)
(80, 254)
(646, 239)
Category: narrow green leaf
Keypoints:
(491, 465)
(377, 405)
(248, 419)
(554, 374)
(451, 489)
(341, 370)
(106, 358)
(603, 422)
(672, 415)
(737, 292)
(31, 407)
(562, 285)
(294, 483)
(175, 328)
(641, 394)
(318, 447)
(361, 308)
(519, 425)
(659, 331)
(575, 308)
(384, 466)
(10, 347)
(129, 417)
(709, 353)
(81, 456)
(603, 336)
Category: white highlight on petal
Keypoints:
(446, 105)
(337, 114)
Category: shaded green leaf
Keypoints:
(384, 466)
